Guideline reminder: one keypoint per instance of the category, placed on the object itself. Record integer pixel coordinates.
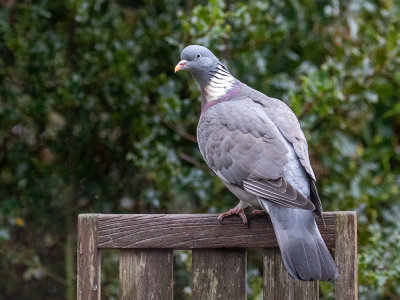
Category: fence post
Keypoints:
(146, 274)
(346, 256)
(219, 274)
(88, 259)
(277, 283)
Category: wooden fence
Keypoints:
(146, 243)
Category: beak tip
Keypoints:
(180, 65)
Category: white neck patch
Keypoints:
(220, 83)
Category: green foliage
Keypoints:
(93, 119)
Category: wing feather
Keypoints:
(287, 123)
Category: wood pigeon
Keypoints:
(255, 145)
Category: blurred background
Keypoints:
(93, 119)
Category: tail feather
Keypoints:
(304, 253)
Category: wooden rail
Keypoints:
(146, 243)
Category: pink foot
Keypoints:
(258, 211)
(237, 210)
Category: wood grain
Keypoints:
(146, 274)
(193, 231)
(219, 274)
(277, 283)
(88, 259)
(346, 256)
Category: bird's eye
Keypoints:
(198, 55)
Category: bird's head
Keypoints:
(199, 62)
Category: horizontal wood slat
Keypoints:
(179, 231)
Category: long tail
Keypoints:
(304, 253)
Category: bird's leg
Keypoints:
(237, 210)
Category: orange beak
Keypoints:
(181, 65)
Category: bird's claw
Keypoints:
(234, 211)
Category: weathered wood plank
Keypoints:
(146, 274)
(88, 258)
(346, 256)
(193, 231)
(279, 285)
(219, 274)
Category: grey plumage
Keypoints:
(254, 143)
(303, 251)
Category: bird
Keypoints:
(255, 145)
